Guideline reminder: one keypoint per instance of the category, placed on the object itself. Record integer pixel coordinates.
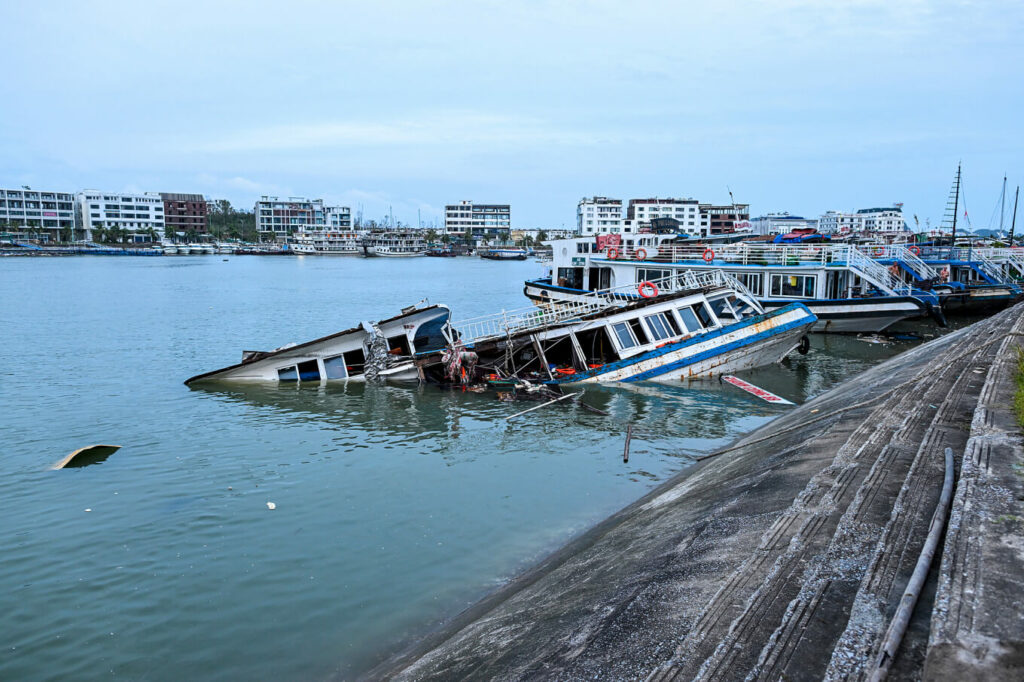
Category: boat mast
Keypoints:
(1013, 223)
(956, 204)
(1002, 206)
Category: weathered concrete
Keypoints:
(783, 557)
(978, 621)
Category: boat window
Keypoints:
(704, 314)
(582, 247)
(287, 374)
(638, 331)
(398, 345)
(309, 371)
(355, 361)
(334, 367)
(751, 280)
(658, 326)
(724, 307)
(652, 275)
(625, 335)
(689, 319)
(570, 277)
(793, 286)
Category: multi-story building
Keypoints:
(278, 218)
(598, 215)
(484, 220)
(139, 216)
(865, 220)
(640, 213)
(781, 223)
(723, 219)
(37, 214)
(185, 213)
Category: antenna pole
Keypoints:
(956, 206)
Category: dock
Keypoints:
(786, 555)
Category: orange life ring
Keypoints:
(647, 286)
(640, 251)
(877, 250)
(613, 253)
(914, 250)
(566, 371)
(708, 256)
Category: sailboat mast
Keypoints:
(1002, 206)
(956, 204)
(1013, 223)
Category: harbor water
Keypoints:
(395, 507)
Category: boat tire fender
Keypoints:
(805, 345)
(709, 255)
(650, 288)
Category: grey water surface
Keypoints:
(396, 506)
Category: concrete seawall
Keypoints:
(787, 555)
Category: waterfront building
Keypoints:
(781, 223)
(37, 214)
(185, 213)
(864, 220)
(724, 219)
(487, 221)
(276, 218)
(598, 215)
(640, 213)
(139, 216)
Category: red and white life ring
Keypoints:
(914, 250)
(708, 256)
(641, 254)
(650, 288)
(613, 253)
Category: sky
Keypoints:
(795, 105)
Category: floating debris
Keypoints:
(750, 388)
(90, 454)
(271, 505)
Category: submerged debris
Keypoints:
(90, 454)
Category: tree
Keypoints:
(151, 233)
(542, 236)
(468, 235)
(430, 236)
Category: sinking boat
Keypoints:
(694, 326)
(372, 350)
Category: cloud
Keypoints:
(441, 128)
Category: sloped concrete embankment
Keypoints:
(786, 556)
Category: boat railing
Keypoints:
(1001, 259)
(741, 253)
(563, 311)
(906, 254)
(876, 273)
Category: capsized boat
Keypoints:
(700, 325)
(370, 350)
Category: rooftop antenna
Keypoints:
(1002, 205)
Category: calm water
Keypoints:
(397, 507)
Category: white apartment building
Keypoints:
(141, 216)
(598, 215)
(686, 212)
(279, 218)
(865, 220)
(485, 220)
(781, 223)
(37, 214)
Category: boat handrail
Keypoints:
(568, 310)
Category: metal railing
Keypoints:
(563, 311)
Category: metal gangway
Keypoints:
(560, 312)
(907, 254)
(1010, 260)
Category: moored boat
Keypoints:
(504, 254)
(394, 244)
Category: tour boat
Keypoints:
(696, 327)
(846, 289)
(370, 350)
(504, 254)
(394, 244)
(326, 243)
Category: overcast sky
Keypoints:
(796, 105)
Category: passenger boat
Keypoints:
(170, 249)
(326, 243)
(846, 290)
(370, 350)
(983, 278)
(442, 253)
(695, 327)
(394, 244)
(504, 254)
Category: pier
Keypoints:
(787, 555)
